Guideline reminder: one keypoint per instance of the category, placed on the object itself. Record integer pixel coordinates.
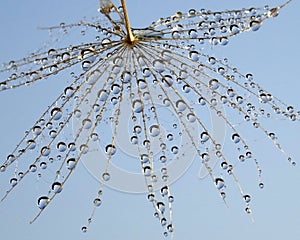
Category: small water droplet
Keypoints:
(219, 183)
(56, 113)
(84, 229)
(56, 187)
(110, 149)
(71, 163)
(247, 198)
(97, 202)
(154, 130)
(45, 151)
(43, 165)
(106, 176)
(61, 146)
(13, 182)
(161, 207)
(137, 106)
(235, 138)
(43, 202)
(32, 168)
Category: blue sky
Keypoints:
(271, 54)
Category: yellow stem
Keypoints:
(130, 37)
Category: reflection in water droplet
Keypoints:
(43, 201)
(13, 182)
(219, 183)
(56, 113)
(106, 176)
(154, 130)
(56, 187)
(45, 151)
(97, 202)
(137, 106)
(71, 163)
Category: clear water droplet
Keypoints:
(97, 202)
(71, 163)
(43, 202)
(56, 187)
(106, 176)
(154, 130)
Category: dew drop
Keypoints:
(97, 202)
(56, 187)
(247, 198)
(170, 228)
(261, 185)
(110, 149)
(234, 29)
(37, 130)
(56, 113)
(84, 148)
(255, 25)
(180, 105)
(43, 202)
(45, 151)
(31, 144)
(214, 84)
(147, 171)
(32, 168)
(161, 207)
(43, 165)
(71, 163)
(13, 182)
(2, 168)
(61, 146)
(194, 55)
(235, 138)
(84, 229)
(102, 95)
(159, 65)
(204, 137)
(106, 176)
(219, 183)
(174, 149)
(137, 106)
(154, 130)
(248, 210)
(167, 80)
(87, 123)
(163, 221)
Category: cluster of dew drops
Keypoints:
(166, 64)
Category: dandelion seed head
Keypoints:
(144, 94)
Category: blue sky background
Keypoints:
(271, 54)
